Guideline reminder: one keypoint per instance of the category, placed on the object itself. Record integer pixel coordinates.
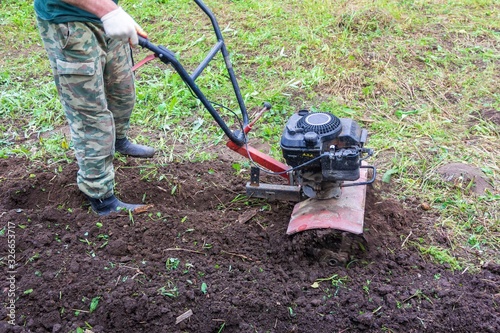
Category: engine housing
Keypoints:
(323, 150)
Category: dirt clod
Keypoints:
(465, 176)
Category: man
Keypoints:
(87, 42)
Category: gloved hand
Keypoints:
(119, 25)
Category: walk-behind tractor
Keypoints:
(325, 169)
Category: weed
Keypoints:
(204, 288)
(34, 257)
(170, 290)
(221, 328)
(419, 295)
(440, 255)
(188, 266)
(130, 216)
(111, 265)
(366, 287)
(172, 264)
(335, 281)
(105, 239)
(94, 303)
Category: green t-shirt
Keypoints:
(57, 11)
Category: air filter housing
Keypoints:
(324, 124)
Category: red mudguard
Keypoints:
(346, 213)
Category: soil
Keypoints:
(224, 261)
(463, 175)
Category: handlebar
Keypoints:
(169, 57)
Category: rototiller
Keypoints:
(324, 154)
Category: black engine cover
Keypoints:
(338, 141)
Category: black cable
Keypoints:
(131, 55)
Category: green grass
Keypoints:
(417, 74)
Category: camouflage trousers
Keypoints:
(94, 79)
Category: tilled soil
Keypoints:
(224, 261)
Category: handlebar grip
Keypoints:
(143, 41)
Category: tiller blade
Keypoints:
(345, 213)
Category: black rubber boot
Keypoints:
(111, 205)
(125, 147)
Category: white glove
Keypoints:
(119, 25)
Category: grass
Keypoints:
(416, 73)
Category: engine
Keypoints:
(324, 151)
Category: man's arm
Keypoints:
(97, 7)
(117, 23)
